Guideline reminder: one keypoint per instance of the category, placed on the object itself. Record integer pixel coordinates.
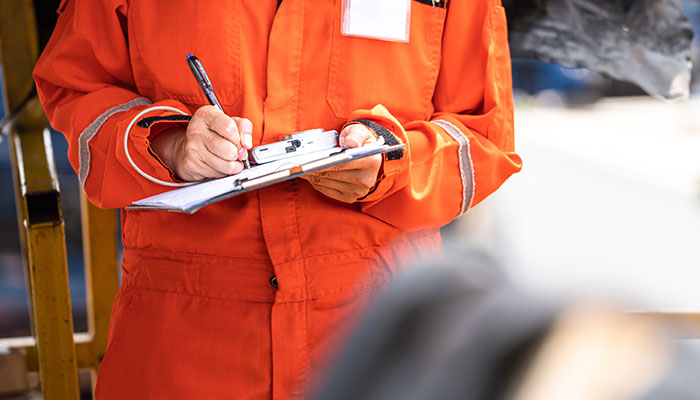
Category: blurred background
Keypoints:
(608, 200)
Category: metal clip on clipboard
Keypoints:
(302, 169)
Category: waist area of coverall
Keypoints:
(313, 246)
(309, 278)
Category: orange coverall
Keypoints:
(196, 316)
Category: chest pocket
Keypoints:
(163, 32)
(401, 76)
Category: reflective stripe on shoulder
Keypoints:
(466, 167)
(88, 133)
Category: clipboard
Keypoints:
(191, 199)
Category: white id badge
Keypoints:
(377, 19)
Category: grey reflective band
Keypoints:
(466, 167)
(88, 133)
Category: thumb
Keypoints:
(355, 135)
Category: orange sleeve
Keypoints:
(86, 86)
(465, 151)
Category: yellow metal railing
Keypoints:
(53, 350)
(38, 207)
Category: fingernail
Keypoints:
(243, 154)
(248, 140)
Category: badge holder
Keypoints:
(388, 20)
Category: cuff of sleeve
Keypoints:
(394, 163)
(383, 123)
(147, 128)
(381, 132)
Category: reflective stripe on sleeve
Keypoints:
(88, 133)
(466, 167)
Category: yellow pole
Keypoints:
(101, 274)
(38, 206)
(42, 225)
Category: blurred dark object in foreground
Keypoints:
(439, 333)
(646, 42)
(455, 330)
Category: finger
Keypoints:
(335, 194)
(224, 126)
(205, 171)
(341, 186)
(348, 189)
(220, 166)
(242, 154)
(355, 135)
(354, 177)
(194, 169)
(205, 112)
(245, 129)
(248, 141)
(221, 147)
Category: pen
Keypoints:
(203, 79)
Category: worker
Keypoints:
(245, 298)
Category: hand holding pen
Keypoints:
(203, 80)
(212, 146)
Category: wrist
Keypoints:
(167, 146)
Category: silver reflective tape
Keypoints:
(466, 167)
(88, 133)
